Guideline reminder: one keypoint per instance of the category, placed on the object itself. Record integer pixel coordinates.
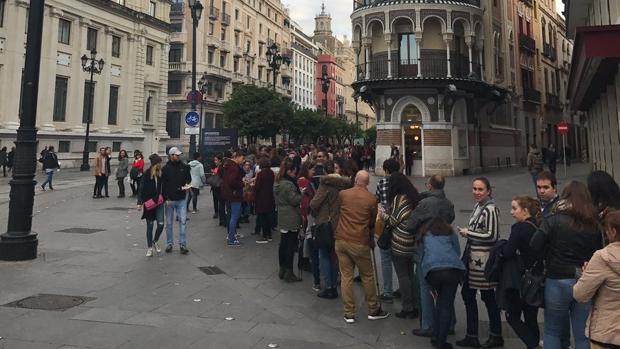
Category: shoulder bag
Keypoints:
(151, 204)
(533, 284)
(323, 234)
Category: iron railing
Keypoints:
(549, 52)
(553, 101)
(225, 19)
(527, 43)
(419, 68)
(363, 3)
(177, 8)
(214, 12)
(531, 95)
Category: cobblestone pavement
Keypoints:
(168, 302)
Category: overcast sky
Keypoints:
(304, 11)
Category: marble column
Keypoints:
(448, 40)
(388, 42)
(469, 43)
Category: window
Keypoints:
(173, 124)
(89, 101)
(2, 4)
(175, 87)
(219, 121)
(223, 59)
(210, 56)
(176, 53)
(116, 147)
(236, 65)
(236, 14)
(91, 39)
(116, 46)
(149, 106)
(149, 55)
(92, 147)
(236, 39)
(64, 30)
(211, 28)
(152, 8)
(60, 98)
(462, 143)
(223, 34)
(408, 50)
(113, 105)
(64, 146)
(247, 24)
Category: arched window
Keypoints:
(543, 25)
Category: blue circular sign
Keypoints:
(192, 119)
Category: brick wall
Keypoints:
(437, 138)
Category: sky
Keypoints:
(304, 11)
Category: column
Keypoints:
(468, 42)
(47, 81)
(480, 48)
(388, 42)
(448, 40)
(418, 43)
(366, 43)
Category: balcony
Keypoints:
(549, 52)
(430, 68)
(177, 9)
(553, 102)
(178, 66)
(219, 72)
(527, 43)
(225, 19)
(357, 4)
(531, 95)
(214, 12)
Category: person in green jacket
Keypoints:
(288, 198)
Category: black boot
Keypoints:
(281, 273)
(469, 342)
(494, 342)
(328, 293)
(289, 276)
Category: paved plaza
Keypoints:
(168, 302)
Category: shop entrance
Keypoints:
(413, 135)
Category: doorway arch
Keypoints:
(411, 121)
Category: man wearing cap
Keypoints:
(176, 178)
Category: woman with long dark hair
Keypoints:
(288, 197)
(121, 172)
(264, 200)
(403, 198)
(151, 190)
(567, 240)
(605, 193)
(482, 233)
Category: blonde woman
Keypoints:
(151, 190)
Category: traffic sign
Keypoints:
(562, 128)
(194, 97)
(192, 119)
(192, 130)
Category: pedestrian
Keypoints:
(528, 216)
(3, 160)
(354, 246)
(121, 172)
(108, 169)
(176, 179)
(264, 200)
(600, 284)
(534, 162)
(199, 179)
(232, 191)
(394, 152)
(546, 189)
(605, 193)
(433, 203)
(50, 165)
(482, 233)
(248, 188)
(135, 173)
(552, 158)
(390, 166)
(325, 208)
(42, 156)
(288, 199)
(308, 250)
(10, 157)
(567, 240)
(100, 168)
(408, 162)
(151, 201)
(403, 198)
(219, 204)
(442, 268)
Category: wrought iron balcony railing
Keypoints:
(177, 8)
(214, 12)
(527, 43)
(531, 95)
(418, 68)
(549, 52)
(366, 3)
(553, 102)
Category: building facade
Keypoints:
(232, 39)
(594, 88)
(326, 101)
(437, 76)
(304, 56)
(129, 99)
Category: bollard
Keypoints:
(499, 164)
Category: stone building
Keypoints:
(232, 39)
(304, 61)
(594, 88)
(436, 75)
(129, 100)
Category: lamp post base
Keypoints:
(18, 247)
(84, 167)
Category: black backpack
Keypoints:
(493, 267)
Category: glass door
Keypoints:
(408, 56)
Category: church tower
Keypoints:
(323, 23)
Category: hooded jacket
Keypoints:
(197, 172)
(288, 198)
(600, 282)
(232, 187)
(325, 205)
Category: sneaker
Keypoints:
(194, 211)
(269, 239)
(184, 250)
(386, 299)
(156, 246)
(149, 252)
(42, 187)
(234, 243)
(349, 320)
(239, 236)
(316, 287)
(262, 241)
(378, 315)
(169, 248)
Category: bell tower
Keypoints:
(323, 23)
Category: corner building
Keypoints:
(435, 74)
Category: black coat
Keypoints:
(149, 189)
(50, 161)
(175, 175)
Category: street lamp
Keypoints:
(93, 66)
(196, 11)
(203, 86)
(356, 98)
(325, 82)
(275, 60)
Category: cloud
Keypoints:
(304, 11)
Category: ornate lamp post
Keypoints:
(203, 86)
(93, 66)
(325, 82)
(196, 11)
(275, 60)
(356, 98)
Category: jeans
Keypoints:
(287, 248)
(560, 305)
(427, 304)
(471, 308)
(235, 211)
(263, 222)
(445, 282)
(526, 329)
(329, 267)
(180, 207)
(406, 279)
(193, 198)
(160, 226)
(98, 186)
(121, 186)
(314, 258)
(50, 175)
(386, 270)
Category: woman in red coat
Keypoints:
(264, 200)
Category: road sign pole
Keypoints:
(564, 152)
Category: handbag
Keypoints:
(150, 204)
(533, 287)
(323, 234)
(248, 193)
(215, 181)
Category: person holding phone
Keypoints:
(176, 181)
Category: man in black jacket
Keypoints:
(176, 179)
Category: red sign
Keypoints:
(195, 97)
(562, 128)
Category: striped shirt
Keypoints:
(483, 232)
(403, 242)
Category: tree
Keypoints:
(370, 135)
